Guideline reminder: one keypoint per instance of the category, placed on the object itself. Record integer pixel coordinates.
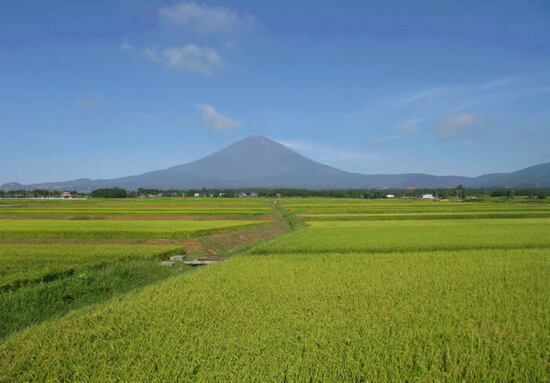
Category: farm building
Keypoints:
(66, 195)
(390, 196)
(428, 196)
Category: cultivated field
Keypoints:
(413, 235)
(160, 208)
(359, 291)
(107, 229)
(57, 256)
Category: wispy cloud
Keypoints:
(418, 96)
(456, 125)
(403, 129)
(407, 125)
(189, 58)
(205, 19)
(522, 85)
(215, 121)
(326, 153)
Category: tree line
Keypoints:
(458, 192)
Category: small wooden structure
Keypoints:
(174, 260)
(177, 258)
(206, 260)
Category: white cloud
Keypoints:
(204, 18)
(189, 58)
(215, 121)
(222, 22)
(456, 125)
(192, 58)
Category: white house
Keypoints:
(197, 195)
(428, 196)
(390, 196)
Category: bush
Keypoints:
(109, 193)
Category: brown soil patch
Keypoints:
(226, 243)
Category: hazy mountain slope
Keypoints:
(533, 176)
(260, 162)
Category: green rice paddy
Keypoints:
(413, 235)
(454, 291)
(105, 229)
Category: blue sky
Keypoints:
(102, 89)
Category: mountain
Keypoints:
(537, 176)
(259, 162)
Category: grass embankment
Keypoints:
(41, 282)
(429, 316)
(21, 264)
(47, 300)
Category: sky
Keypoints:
(103, 89)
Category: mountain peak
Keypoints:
(256, 140)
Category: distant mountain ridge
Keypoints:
(259, 162)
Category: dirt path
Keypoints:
(227, 243)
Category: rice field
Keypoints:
(413, 235)
(459, 315)
(107, 229)
(423, 215)
(57, 256)
(159, 208)
(452, 291)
